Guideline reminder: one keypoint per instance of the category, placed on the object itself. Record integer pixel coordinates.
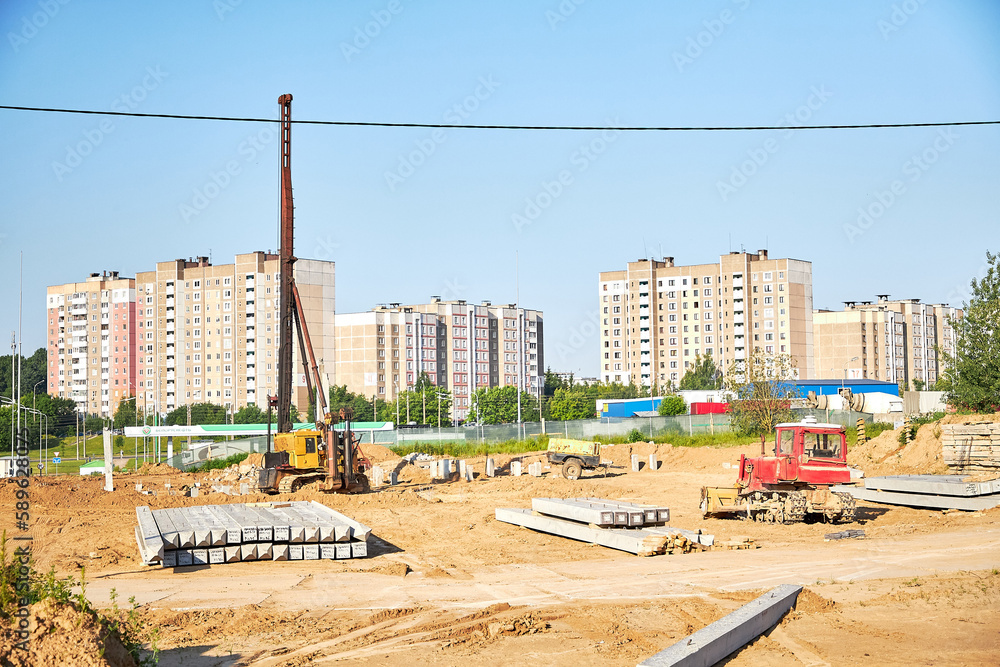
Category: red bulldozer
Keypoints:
(793, 484)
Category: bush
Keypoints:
(672, 405)
(635, 435)
(219, 464)
(875, 429)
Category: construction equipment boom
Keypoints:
(307, 455)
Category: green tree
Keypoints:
(567, 404)
(250, 414)
(553, 382)
(201, 413)
(703, 374)
(93, 424)
(974, 370)
(125, 414)
(918, 385)
(423, 406)
(762, 387)
(33, 373)
(498, 405)
(672, 405)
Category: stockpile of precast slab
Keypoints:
(218, 534)
(635, 528)
(957, 492)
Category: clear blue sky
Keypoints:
(447, 228)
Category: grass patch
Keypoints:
(219, 464)
(133, 632)
(727, 439)
(467, 449)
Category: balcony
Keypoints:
(738, 318)
(737, 282)
(170, 339)
(170, 376)
(738, 330)
(251, 385)
(169, 291)
(170, 302)
(251, 347)
(740, 354)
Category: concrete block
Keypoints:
(310, 551)
(342, 550)
(393, 478)
(193, 492)
(632, 541)
(281, 533)
(714, 642)
(635, 463)
(445, 468)
(654, 465)
(491, 468)
(244, 489)
(535, 469)
(217, 555)
(249, 534)
(248, 552)
(199, 556)
(378, 477)
(264, 551)
(294, 552)
(184, 557)
(467, 474)
(170, 558)
(971, 503)
(328, 551)
(151, 544)
(359, 549)
(279, 552)
(515, 468)
(138, 487)
(233, 553)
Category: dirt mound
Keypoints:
(883, 455)
(379, 454)
(971, 419)
(63, 635)
(156, 469)
(676, 458)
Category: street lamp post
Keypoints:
(33, 393)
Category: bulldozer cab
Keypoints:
(303, 447)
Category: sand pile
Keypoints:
(245, 471)
(883, 455)
(156, 469)
(62, 635)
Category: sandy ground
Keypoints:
(447, 584)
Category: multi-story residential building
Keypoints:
(656, 316)
(206, 333)
(461, 346)
(895, 341)
(91, 341)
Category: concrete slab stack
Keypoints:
(971, 447)
(930, 491)
(630, 527)
(218, 534)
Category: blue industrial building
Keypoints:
(832, 387)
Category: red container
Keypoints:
(709, 408)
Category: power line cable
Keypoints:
(589, 128)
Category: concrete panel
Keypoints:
(943, 485)
(342, 550)
(295, 552)
(359, 549)
(729, 634)
(279, 552)
(971, 504)
(630, 541)
(310, 551)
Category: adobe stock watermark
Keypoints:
(913, 170)
(363, 35)
(899, 17)
(562, 12)
(93, 138)
(30, 25)
(579, 336)
(424, 148)
(218, 181)
(325, 248)
(697, 44)
(551, 190)
(741, 174)
(223, 7)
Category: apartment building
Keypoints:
(209, 333)
(656, 317)
(895, 341)
(461, 346)
(91, 350)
